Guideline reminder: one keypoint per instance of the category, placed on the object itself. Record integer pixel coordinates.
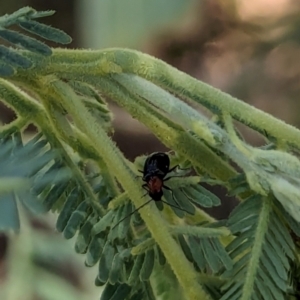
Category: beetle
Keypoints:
(156, 168)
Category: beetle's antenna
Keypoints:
(175, 206)
(172, 205)
(132, 213)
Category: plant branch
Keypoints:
(261, 230)
(199, 231)
(114, 61)
(170, 133)
(113, 157)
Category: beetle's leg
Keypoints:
(145, 187)
(173, 177)
(177, 166)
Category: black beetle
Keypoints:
(156, 168)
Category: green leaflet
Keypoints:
(183, 201)
(31, 202)
(148, 292)
(106, 260)
(9, 216)
(45, 31)
(109, 291)
(54, 194)
(94, 251)
(6, 70)
(282, 235)
(135, 272)
(211, 259)
(103, 196)
(234, 292)
(275, 261)
(237, 267)
(40, 179)
(222, 254)
(242, 247)
(127, 268)
(271, 251)
(196, 197)
(271, 286)
(265, 293)
(199, 195)
(160, 256)
(113, 232)
(147, 266)
(68, 208)
(197, 253)
(98, 282)
(185, 248)
(77, 217)
(206, 193)
(168, 196)
(40, 162)
(243, 223)
(116, 269)
(121, 292)
(27, 165)
(138, 295)
(238, 185)
(104, 223)
(272, 272)
(250, 206)
(159, 205)
(241, 237)
(25, 42)
(10, 57)
(124, 226)
(84, 235)
(295, 226)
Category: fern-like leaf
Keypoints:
(24, 18)
(262, 251)
(28, 163)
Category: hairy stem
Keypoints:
(113, 157)
(116, 61)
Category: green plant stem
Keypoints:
(81, 63)
(199, 217)
(143, 246)
(199, 231)
(113, 157)
(176, 109)
(74, 137)
(118, 201)
(188, 117)
(185, 86)
(171, 134)
(16, 125)
(56, 143)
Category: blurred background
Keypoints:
(249, 49)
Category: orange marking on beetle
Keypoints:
(155, 184)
